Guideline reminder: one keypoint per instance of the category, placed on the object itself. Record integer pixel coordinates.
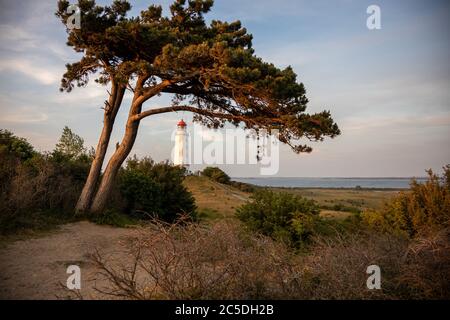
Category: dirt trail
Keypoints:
(36, 268)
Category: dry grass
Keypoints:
(332, 214)
(364, 199)
(223, 261)
(215, 200)
(39, 197)
(336, 267)
(427, 272)
(192, 261)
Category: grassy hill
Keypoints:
(338, 203)
(217, 201)
(361, 198)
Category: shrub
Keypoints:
(342, 208)
(141, 192)
(192, 261)
(335, 268)
(424, 208)
(425, 272)
(39, 185)
(222, 261)
(280, 215)
(36, 188)
(245, 187)
(16, 146)
(13, 150)
(216, 174)
(155, 189)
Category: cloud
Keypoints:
(28, 114)
(368, 123)
(16, 38)
(31, 70)
(387, 90)
(262, 10)
(93, 92)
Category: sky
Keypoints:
(388, 89)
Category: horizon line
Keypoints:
(268, 177)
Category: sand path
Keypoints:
(36, 268)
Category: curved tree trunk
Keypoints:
(116, 161)
(115, 100)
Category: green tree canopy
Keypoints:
(212, 69)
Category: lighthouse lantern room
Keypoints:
(180, 151)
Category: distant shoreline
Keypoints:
(337, 188)
(329, 188)
(332, 183)
(342, 178)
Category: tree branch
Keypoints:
(151, 91)
(202, 112)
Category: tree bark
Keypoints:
(113, 106)
(123, 150)
(106, 185)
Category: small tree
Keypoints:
(70, 145)
(211, 71)
(280, 215)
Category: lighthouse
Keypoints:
(180, 151)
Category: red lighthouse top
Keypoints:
(181, 123)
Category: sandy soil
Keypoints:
(36, 268)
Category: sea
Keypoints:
(368, 183)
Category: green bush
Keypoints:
(245, 187)
(16, 146)
(141, 192)
(216, 174)
(13, 151)
(422, 209)
(37, 190)
(280, 215)
(342, 208)
(155, 189)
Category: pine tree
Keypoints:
(211, 70)
(70, 145)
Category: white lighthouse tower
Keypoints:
(180, 151)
